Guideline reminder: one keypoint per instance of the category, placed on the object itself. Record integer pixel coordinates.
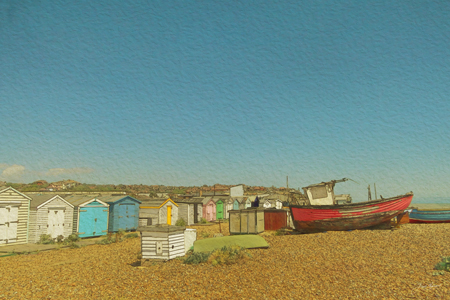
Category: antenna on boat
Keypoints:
(352, 180)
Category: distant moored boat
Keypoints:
(430, 213)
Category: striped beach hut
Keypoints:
(157, 211)
(49, 214)
(190, 210)
(90, 216)
(123, 212)
(14, 209)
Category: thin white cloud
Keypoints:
(19, 173)
(12, 172)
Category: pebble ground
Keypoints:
(363, 264)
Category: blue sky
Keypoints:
(204, 92)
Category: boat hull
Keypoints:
(320, 218)
(427, 216)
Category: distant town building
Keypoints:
(237, 191)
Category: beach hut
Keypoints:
(236, 204)
(49, 214)
(158, 211)
(255, 202)
(209, 209)
(221, 207)
(267, 203)
(248, 203)
(278, 204)
(123, 212)
(190, 209)
(14, 209)
(274, 219)
(90, 216)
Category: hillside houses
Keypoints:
(61, 185)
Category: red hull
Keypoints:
(319, 218)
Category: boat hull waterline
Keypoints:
(320, 218)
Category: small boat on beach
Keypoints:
(430, 213)
(323, 213)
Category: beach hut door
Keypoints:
(55, 222)
(219, 212)
(209, 212)
(195, 213)
(8, 223)
(169, 215)
(236, 205)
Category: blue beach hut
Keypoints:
(90, 215)
(236, 204)
(123, 212)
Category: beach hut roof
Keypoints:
(217, 198)
(206, 200)
(78, 200)
(190, 200)
(114, 198)
(39, 200)
(5, 188)
(156, 203)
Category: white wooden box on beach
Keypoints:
(162, 242)
(190, 236)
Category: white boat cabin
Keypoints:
(323, 193)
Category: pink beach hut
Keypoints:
(209, 209)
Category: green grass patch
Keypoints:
(444, 264)
(46, 239)
(226, 255)
(180, 222)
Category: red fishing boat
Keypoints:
(323, 213)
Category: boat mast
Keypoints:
(287, 188)
(370, 194)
